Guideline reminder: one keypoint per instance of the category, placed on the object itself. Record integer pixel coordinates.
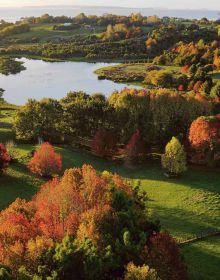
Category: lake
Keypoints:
(54, 79)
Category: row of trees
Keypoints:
(158, 114)
(121, 31)
(134, 19)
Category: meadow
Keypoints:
(43, 33)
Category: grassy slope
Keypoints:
(45, 32)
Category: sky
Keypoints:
(179, 4)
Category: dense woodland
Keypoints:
(85, 224)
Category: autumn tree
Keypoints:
(104, 143)
(4, 158)
(45, 162)
(135, 147)
(174, 159)
(204, 138)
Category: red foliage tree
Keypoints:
(135, 147)
(45, 161)
(4, 158)
(103, 143)
(165, 257)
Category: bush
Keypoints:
(45, 161)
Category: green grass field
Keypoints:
(185, 206)
(45, 32)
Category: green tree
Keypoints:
(174, 159)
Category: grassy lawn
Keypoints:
(45, 32)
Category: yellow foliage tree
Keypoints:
(174, 159)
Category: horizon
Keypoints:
(141, 4)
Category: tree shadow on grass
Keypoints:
(202, 259)
(198, 178)
(182, 223)
(17, 182)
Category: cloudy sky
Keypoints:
(181, 4)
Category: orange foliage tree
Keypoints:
(46, 162)
(204, 137)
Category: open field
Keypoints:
(44, 33)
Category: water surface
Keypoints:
(54, 79)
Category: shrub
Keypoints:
(174, 159)
(45, 161)
(4, 158)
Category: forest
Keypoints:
(124, 186)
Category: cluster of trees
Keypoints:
(134, 19)
(86, 226)
(194, 52)
(90, 47)
(121, 31)
(195, 78)
(9, 65)
(163, 38)
(158, 114)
